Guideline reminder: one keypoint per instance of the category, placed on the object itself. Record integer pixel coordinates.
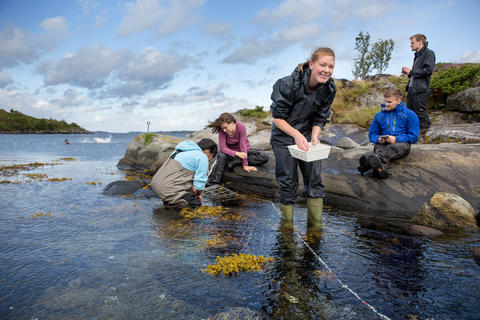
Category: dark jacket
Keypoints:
(301, 110)
(401, 122)
(422, 69)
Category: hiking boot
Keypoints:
(364, 167)
(378, 168)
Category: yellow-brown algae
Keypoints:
(236, 263)
(41, 214)
(202, 212)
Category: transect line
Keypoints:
(343, 285)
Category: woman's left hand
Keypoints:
(249, 168)
(315, 141)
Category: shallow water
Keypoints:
(69, 252)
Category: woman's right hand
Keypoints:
(241, 155)
(301, 142)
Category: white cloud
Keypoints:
(166, 15)
(88, 67)
(70, 98)
(470, 56)
(218, 29)
(56, 30)
(193, 95)
(305, 22)
(15, 47)
(5, 80)
(151, 70)
(302, 10)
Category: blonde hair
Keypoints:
(393, 92)
(317, 53)
(419, 37)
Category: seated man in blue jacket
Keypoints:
(181, 179)
(393, 130)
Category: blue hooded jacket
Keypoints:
(401, 122)
(192, 158)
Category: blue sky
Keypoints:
(113, 65)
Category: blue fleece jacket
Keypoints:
(401, 122)
(192, 158)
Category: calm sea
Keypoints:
(69, 252)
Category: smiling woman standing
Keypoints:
(300, 110)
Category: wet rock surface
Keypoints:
(446, 210)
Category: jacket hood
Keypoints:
(398, 108)
(187, 145)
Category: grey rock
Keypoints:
(333, 133)
(465, 133)
(467, 100)
(121, 187)
(141, 156)
(344, 83)
(260, 139)
(418, 230)
(144, 194)
(268, 120)
(236, 313)
(372, 98)
(446, 210)
(347, 143)
(475, 252)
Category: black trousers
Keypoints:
(391, 151)
(226, 162)
(286, 172)
(417, 102)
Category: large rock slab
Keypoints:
(446, 210)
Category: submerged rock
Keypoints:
(446, 210)
(475, 252)
(418, 230)
(236, 313)
(121, 187)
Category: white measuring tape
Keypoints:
(343, 285)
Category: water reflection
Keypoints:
(293, 290)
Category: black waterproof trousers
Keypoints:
(226, 162)
(286, 171)
(388, 152)
(417, 102)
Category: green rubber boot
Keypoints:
(314, 209)
(287, 213)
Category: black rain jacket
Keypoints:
(301, 110)
(422, 70)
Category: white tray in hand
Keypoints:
(315, 152)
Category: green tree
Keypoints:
(381, 54)
(363, 63)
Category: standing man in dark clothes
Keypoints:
(418, 86)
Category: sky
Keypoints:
(114, 65)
